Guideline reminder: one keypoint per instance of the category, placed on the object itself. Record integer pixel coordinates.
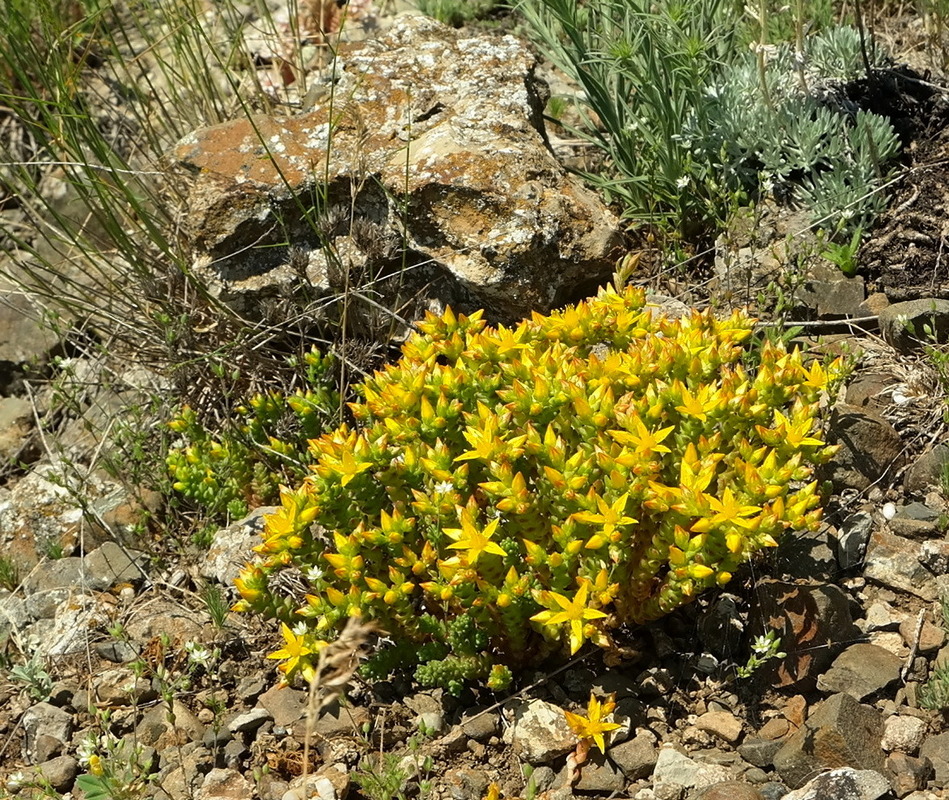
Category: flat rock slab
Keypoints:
(843, 784)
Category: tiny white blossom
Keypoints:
(15, 781)
(198, 654)
(682, 182)
(299, 629)
(444, 487)
(313, 574)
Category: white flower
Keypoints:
(313, 574)
(682, 182)
(15, 781)
(198, 654)
(444, 487)
(87, 747)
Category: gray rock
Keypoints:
(493, 219)
(903, 734)
(834, 298)
(224, 784)
(60, 573)
(727, 790)
(861, 670)
(156, 728)
(927, 470)
(120, 686)
(116, 651)
(599, 774)
(852, 539)
(59, 772)
(869, 447)
(47, 730)
(13, 615)
(481, 726)
(843, 784)
(773, 790)
(840, 732)
(337, 720)
(466, 783)
(110, 564)
(913, 324)
(673, 767)
(894, 562)
(881, 616)
(249, 720)
(232, 547)
(636, 757)
(915, 521)
(539, 732)
(760, 752)
(43, 604)
(936, 749)
(934, 555)
(285, 705)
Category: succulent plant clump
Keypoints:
(510, 492)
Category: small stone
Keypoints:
(600, 774)
(249, 720)
(861, 670)
(59, 772)
(668, 791)
(927, 470)
(852, 538)
(869, 447)
(118, 652)
(890, 641)
(727, 790)
(931, 637)
(936, 749)
(285, 705)
(908, 774)
(224, 784)
(903, 734)
(760, 752)
(120, 686)
(894, 562)
(337, 720)
(913, 324)
(465, 783)
(881, 617)
(775, 728)
(636, 757)
(112, 564)
(47, 730)
(539, 732)
(721, 724)
(843, 784)
(480, 726)
(155, 728)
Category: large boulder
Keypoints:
(421, 177)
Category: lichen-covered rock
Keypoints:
(431, 142)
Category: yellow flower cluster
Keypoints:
(543, 484)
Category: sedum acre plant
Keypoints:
(242, 467)
(510, 492)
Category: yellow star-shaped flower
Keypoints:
(473, 541)
(573, 612)
(294, 650)
(592, 725)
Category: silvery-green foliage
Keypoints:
(815, 144)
